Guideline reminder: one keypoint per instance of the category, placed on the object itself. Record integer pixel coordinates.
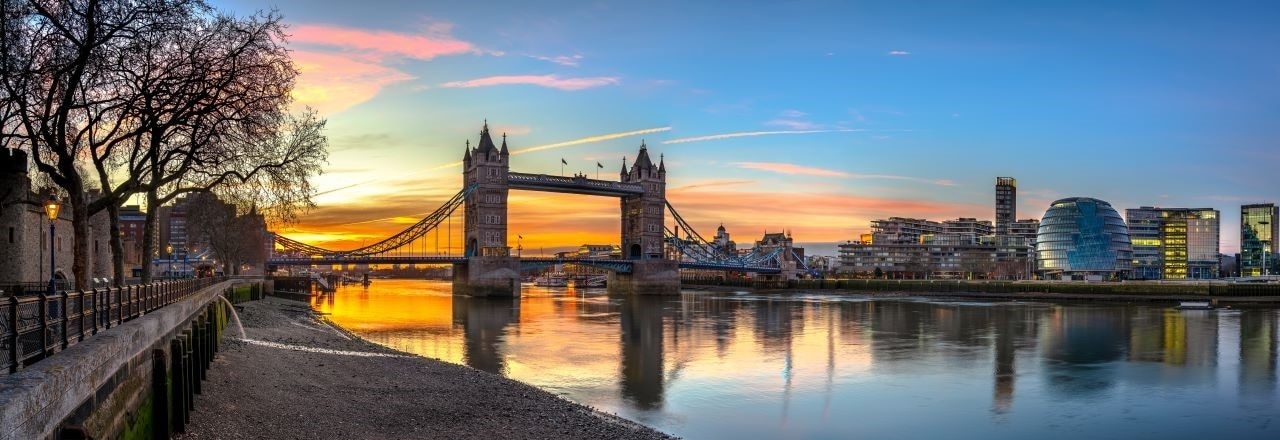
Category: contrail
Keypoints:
(585, 140)
(758, 133)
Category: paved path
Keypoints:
(298, 378)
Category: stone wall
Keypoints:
(132, 379)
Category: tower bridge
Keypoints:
(487, 267)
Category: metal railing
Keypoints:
(36, 326)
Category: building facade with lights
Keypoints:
(1174, 243)
(1258, 230)
(1083, 238)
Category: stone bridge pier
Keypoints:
(487, 276)
(647, 277)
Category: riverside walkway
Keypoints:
(296, 377)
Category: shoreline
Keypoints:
(298, 375)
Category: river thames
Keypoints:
(742, 365)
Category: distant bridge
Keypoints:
(652, 252)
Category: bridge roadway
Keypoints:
(622, 266)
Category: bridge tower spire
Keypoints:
(643, 215)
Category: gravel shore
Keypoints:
(342, 387)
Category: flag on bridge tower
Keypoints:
(562, 162)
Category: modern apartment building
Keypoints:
(1006, 203)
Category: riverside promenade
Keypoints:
(297, 377)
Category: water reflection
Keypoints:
(641, 347)
(819, 366)
(484, 322)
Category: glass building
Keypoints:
(1257, 229)
(1174, 243)
(1083, 238)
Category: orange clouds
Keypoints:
(552, 221)
(342, 67)
(331, 83)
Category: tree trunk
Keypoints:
(117, 246)
(149, 230)
(80, 237)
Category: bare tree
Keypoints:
(57, 87)
(164, 98)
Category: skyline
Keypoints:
(831, 115)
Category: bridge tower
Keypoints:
(643, 217)
(490, 269)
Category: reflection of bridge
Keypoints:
(652, 252)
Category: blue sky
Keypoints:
(908, 108)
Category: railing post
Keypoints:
(93, 292)
(80, 331)
(106, 320)
(13, 333)
(121, 294)
(43, 305)
(62, 298)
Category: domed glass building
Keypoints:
(1083, 238)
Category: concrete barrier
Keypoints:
(106, 386)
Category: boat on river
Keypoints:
(1195, 305)
(554, 279)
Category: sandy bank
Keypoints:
(298, 378)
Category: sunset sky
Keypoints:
(804, 115)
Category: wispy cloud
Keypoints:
(791, 113)
(898, 53)
(714, 137)
(794, 124)
(548, 81)
(787, 168)
(563, 60)
(793, 169)
(433, 42)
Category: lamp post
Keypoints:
(51, 208)
(168, 250)
(185, 263)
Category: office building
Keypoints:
(1174, 243)
(1257, 239)
(1083, 238)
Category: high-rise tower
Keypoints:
(1006, 203)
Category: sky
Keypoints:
(809, 116)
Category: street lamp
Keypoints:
(168, 251)
(51, 208)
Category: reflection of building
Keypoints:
(484, 321)
(1085, 238)
(1006, 203)
(1173, 243)
(1257, 229)
(1082, 343)
(1258, 346)
(641, 338)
